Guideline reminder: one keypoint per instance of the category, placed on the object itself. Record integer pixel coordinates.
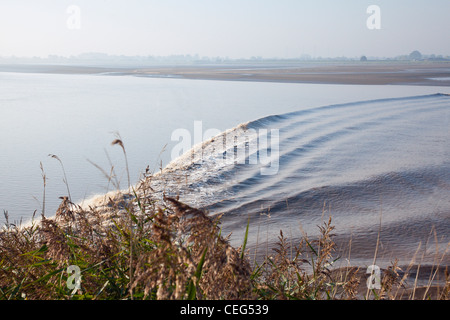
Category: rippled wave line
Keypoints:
(294, 152)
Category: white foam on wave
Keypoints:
(206, 174)
(196, 175)
(210, 150)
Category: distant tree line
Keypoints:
(95, 58)
(413, 56)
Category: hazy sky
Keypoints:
(226, 28)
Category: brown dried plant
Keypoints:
(135, 246)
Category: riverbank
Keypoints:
(356, 73)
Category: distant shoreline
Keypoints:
(363, 73)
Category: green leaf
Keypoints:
(38, 251)
(48, 275)
(198, 273)
(245, 239)
(192, 288)
(191, 291)
(138, 201)
(311, 247)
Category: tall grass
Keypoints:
(134, 247)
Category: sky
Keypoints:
(224, 28)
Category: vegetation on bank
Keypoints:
(141, 249)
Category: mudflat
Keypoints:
(365, 73)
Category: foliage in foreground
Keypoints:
(144, 251)
(134, 247)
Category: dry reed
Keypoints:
(134, 247)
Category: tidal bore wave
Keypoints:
(380, 168)
(362, 163)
